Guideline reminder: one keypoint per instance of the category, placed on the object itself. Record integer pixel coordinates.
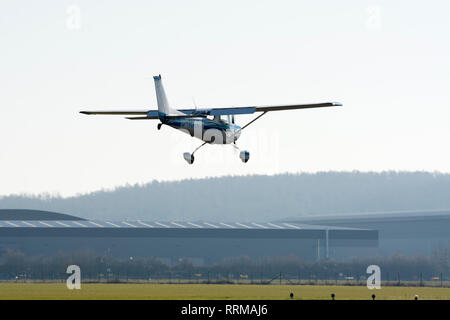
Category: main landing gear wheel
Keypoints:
(188, 157)
(244, 155)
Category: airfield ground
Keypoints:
(49, 291)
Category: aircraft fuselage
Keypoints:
(214, 131)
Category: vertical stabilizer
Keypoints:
(163, 104)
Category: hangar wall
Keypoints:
(204, 242)
(408, 233)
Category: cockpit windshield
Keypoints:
(224, 119)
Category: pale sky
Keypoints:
(386, 61)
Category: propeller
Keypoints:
(236, 149)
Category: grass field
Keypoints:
(210, 292)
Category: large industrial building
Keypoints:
(407, 232)
(313, 237)
(45, 233)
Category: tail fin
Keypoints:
(163, 104)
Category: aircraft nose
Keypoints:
(237, 134)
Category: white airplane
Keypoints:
(211, 125)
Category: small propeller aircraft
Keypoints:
(211, 125)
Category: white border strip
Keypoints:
(113, 224)
(12, 224)
(259, 225)
(291, 226)
(179, 225)
(80, 224)
(211, 225)
(227, 225)
(129, 224)
(274, 225)
(195, 225)
(162, 224)
(63, 224)
(243, 225)
(96, 224)
(145, 224)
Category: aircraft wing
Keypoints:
(192, 113)
(297, 106)
(253, 109)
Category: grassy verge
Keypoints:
(211, 291)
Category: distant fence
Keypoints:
(231, 278)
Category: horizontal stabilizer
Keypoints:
(142, 112)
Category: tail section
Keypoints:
(163, 104)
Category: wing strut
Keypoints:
(252, 121)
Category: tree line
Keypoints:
(261, 197)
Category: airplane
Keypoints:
(211, 125)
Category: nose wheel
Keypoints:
(244, 155)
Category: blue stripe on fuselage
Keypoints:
(189, 124)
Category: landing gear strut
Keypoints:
(189, 157)
(159, 126)
(245, 155)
